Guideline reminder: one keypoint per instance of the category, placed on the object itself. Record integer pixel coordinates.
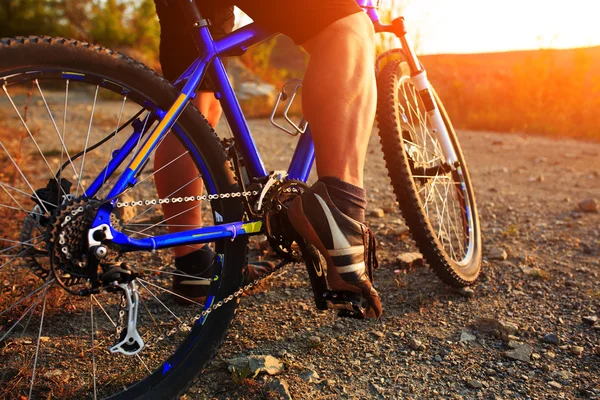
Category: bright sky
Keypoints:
(474, 26)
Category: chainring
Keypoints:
(280, 233)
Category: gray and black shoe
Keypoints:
(347, 245)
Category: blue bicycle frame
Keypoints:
(209, 64)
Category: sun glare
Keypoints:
(475, 26)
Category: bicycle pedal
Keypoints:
(348, 304)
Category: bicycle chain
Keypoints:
(185, 199)
(186, 326)
(237, 294)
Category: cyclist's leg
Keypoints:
(177, 51)
(340, 95)
(339, 100)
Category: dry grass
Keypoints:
(549, 92)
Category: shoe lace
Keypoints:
(370, 251)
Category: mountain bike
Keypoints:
(86, 306)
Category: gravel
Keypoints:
(534, 223)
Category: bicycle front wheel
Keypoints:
(437, 201)
(68, 108)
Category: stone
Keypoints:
(564, 376)
(256, 364)
(280, 388)
(309, 376)
(576, 350)
(521, 353)
(401, 231)
(377, 213)
(589, 205)
(410, 260)
(513, 344)
(499, 328)
(125, 214)
(555, 385)
(465, 292)
(590, 320)
(497, 254)
(474, 384)
(467, 336)
(416, 344)
(551, 338)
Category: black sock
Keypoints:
(198, 262)
(350, 199)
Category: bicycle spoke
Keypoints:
(41, 202)
(37, 348)
(48, 283)
(93, 347)
(169, 291)
(112, 142)
(168, 196)
(87, 139)
(161, 303)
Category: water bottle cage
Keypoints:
(284, 96)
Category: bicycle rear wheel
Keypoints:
(437, 202)
(66, 107)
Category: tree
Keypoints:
(30, 17)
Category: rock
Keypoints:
(497, 254)
(309, 376)
(410, 260)
(403, 230)
(521, 353)
(416, 344)
(551, 338)
(576, 350)
(564, 376)
(53, 373)
(467, 337)
(474, 384)
(390, 208)
(590, 320)
(465, 292)
(125, 214)
(513, 344)
(314, 341)
(280, 388)
(377, 212)
(438, 358)
(555, 385)
(379, 334)
(589, 205)
(500, 329)
(256, 364)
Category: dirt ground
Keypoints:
(532, 303)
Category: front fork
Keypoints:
(418, 77)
